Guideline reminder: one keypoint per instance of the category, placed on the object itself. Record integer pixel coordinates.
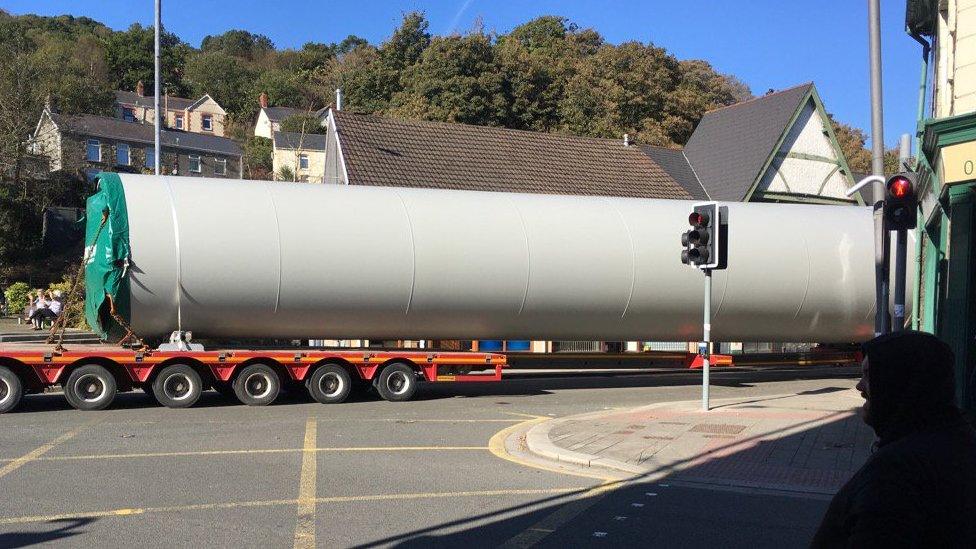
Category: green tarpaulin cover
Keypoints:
(106, 266)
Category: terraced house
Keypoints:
(87, 144)
(202, 115)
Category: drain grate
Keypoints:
(718, 428)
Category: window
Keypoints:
(128, 114)
(93, 150)
(303, 161)
(207, 122)
(194, 164)
(122, 154)
(151, 158)
(220, 166)
(178, 122)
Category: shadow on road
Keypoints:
(515, 385)
(705, 501)
(68, 528)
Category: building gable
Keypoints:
(808, 164)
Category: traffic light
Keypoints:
(703, 243)
(901, 202)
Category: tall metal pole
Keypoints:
(158, 64)
(706, 336)
(881, 239)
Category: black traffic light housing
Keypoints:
(901, 202)
(705, 244)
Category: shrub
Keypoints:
(16, 295)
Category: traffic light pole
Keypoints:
(901, 258)
(704, 350)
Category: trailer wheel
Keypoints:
(90, 387)
(397, 382)
(177, 386)
(329, 384)
(257, 385)
(11, 390)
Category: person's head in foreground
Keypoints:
(918, 489)
(907, 381)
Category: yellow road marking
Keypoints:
(565, 513)
(530, 416)
(305, 526)
(496, 445)
(33, 455)
(278, 502)
(255, 451)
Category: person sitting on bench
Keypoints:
(48, 308)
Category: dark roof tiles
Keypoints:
(294, 140)
(731, 144)
(115, 128)
(387, 152)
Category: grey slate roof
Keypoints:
(115, 128)
(406, 153)
(277, 114)
(294, 140)
(731, 144)
(133, 98)
(676, 164)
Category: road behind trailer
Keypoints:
(92, 375)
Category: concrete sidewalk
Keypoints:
(810, 442)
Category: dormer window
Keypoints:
(178, 121)
(207, 122)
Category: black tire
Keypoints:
(90, 387)
(397, 382)
(177, 386)
(329, 384)
(11, 390)
(257, 385)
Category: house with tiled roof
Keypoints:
(270, 118)
(373, 150)
(202, 115)
(776, 148)
(86, 144)
(779, 147)
(299, 157)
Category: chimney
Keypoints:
(626, 140)
(263, 100)
(49, 104)
(338, 99)
(140, 89)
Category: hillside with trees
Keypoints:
(546, 75)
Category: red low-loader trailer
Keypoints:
(91, 375)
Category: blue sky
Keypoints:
(766, 43)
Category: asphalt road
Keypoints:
(368, 472)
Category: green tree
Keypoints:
(130, 53)
(303, 123)
(455, 80)
(408, 42)
(226, 79)
(239, 43)
(623, 89)
(258, 158)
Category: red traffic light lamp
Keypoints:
(901, 202)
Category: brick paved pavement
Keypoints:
(805, 442)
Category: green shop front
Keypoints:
(946, 294)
